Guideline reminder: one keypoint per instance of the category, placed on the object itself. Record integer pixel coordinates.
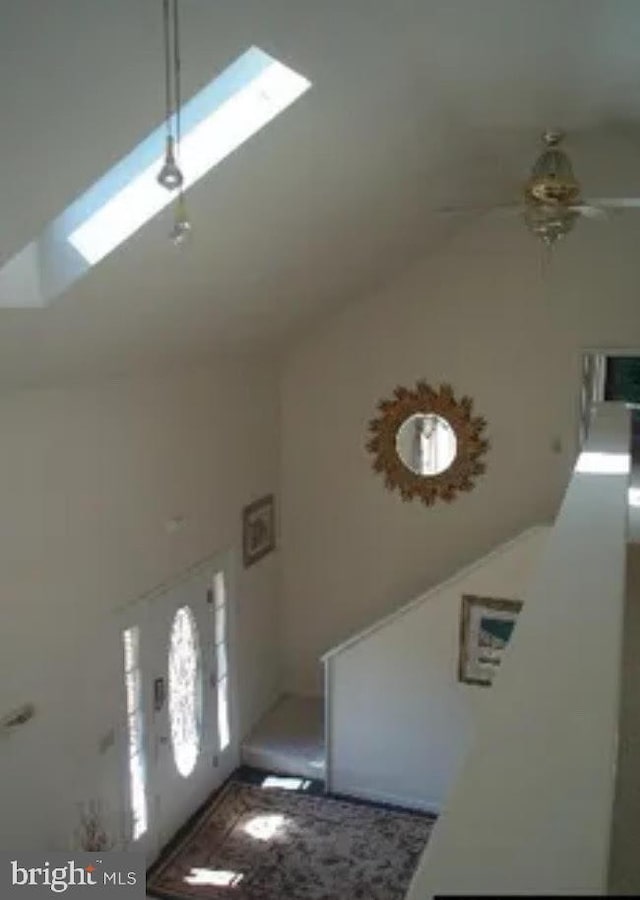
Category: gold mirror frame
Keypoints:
(471, 446)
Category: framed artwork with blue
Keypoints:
(486, 626)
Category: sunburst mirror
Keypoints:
(427, 444)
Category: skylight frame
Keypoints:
(236, 105)
(51, 263)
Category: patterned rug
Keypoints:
(273, 844)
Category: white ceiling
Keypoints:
(415, 104)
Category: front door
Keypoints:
(186, 689)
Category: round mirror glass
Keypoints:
(426, 444)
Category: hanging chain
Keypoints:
(167, 67)
(182, 219)
(176, 70)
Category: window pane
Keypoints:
(223, 714)
(139, 807)
(623, 379)
(221, 661)
(221, 623)
(130, 642)
(132, 687)
(137, 772)
(219, 589)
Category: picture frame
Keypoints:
(258, 530)
(486, 626)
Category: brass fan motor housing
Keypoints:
(552, 182)
(552, 191)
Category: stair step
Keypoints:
(289, 739)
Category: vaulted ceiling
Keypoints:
(414, 104)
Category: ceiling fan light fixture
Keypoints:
(549, 223)
(182, 228)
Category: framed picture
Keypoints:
(258, 530)
(486, 624)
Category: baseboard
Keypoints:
(375, 796)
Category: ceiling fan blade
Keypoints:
(590, 211)
(501, 208)
(614, 203)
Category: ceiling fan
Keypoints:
(552, 198)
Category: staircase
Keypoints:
(523, 773)
(398, 719)
(289, 739)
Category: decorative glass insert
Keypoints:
(135, 745)
(185, 691)
(222, 672)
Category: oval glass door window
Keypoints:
(185, 691)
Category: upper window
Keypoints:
(612, 375)
(223, 115)
(622, 379)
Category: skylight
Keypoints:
(240, 101)
(226, 113)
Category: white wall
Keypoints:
(493, 319)
(399, 721)
(531, 809)
(88, 477)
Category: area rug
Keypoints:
(254, 843)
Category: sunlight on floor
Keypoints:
(264, 828)
(217, 877)
(288, 784)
